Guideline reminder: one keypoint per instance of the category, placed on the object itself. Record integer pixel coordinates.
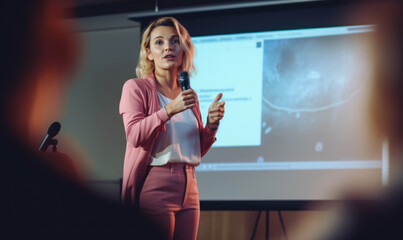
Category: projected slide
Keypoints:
(294, 99)
(233, 68)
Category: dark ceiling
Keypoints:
(86, 8)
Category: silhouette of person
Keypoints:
(38, 53)
(377, 214)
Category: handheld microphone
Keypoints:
(184, 80)
(52, 131)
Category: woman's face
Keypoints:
(165, 49)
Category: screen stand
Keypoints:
(267, 224)
(257, 222)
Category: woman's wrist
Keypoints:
(167, 111)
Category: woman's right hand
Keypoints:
(185, 100)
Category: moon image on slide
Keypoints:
(313, 92)
(312, 74)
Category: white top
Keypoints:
(180, 143)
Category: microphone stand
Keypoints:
(54, 143)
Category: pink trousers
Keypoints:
(170, 199)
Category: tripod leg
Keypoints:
(267, 224)
(256, 223)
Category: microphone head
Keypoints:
(184, 80)
(54, 129)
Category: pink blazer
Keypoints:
(143, 121)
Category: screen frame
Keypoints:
(318, 14)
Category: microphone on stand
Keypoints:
(52, 132)
(184, 80)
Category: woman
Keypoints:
(164, 132)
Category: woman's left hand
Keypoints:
(215, 113)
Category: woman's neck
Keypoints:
(166, 79)
(167, 83)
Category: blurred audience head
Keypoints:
(39, 52)
(387, 89)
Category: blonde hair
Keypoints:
(146, 66)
